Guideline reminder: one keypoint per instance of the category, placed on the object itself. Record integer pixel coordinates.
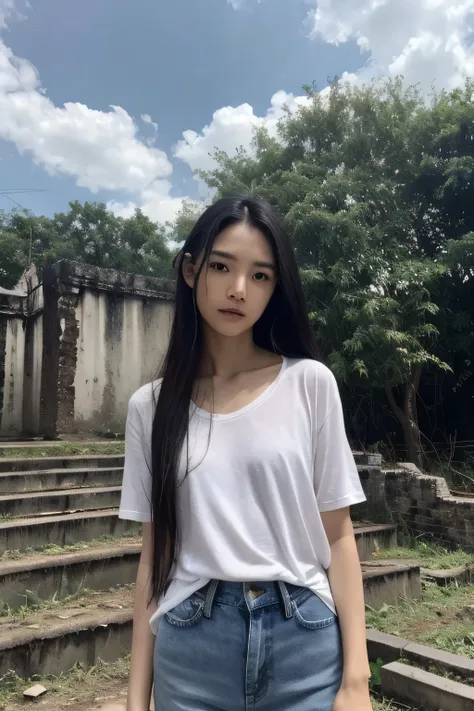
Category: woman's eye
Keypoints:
(218, 267)
(261, 277)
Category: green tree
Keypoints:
(185, 221)
(342, 171)
(87, 233)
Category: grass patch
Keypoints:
(438, 619)
(64, 449)
(384, 705)
(439, 670)
(35, 604)
(430, 555)
(79, 685)
(52, 549)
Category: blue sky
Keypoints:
(203, 71)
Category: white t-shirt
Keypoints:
(249, 508)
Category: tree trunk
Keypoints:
(408, 417)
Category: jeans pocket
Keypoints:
(186, 613)
(313, 613)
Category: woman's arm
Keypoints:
(345, 577)
(143, 639)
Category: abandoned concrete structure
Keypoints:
(75, 344)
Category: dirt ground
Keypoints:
(104, 695)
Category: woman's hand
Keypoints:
(352, 699)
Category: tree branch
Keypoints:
(394, 405)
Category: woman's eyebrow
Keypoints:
(232, 257)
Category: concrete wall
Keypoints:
(76, 345)
(121, 342)
(11, 423)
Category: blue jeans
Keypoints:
(248, 647)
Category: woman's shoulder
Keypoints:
(309, 370)
(316, 383)
(144, 399)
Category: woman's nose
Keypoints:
(238, 289)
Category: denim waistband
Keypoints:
(253, 595)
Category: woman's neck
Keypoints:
(225, 357)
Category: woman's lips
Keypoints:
(231, 313)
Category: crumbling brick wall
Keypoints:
(422, 502)
(3, 340)
(69, 333)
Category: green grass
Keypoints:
(430, 555)
(64, 449)
(52, 549)
(438, 619)
(78, 682)
(35, 604)
(384, 705)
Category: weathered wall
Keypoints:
(12, 411)
(50, 367)
(423, 502)
(33, 372)
(3, 343)
(68, 344)
(75, 345)
(122, 339)
(33, 353)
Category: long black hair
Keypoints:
(283, 328)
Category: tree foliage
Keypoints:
(376, 188)
(87, 233)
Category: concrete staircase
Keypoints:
(54, 502)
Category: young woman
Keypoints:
(238, 465)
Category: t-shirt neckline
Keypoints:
(216, 417)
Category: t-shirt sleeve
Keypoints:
(336, 479)
(135, 502)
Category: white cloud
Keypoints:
(155, 202)
(146, 118)
(232, 127)
(101, 150)
(429, 42)
(6, 9)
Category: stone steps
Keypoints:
(92, 626)
(21, 482)
(62, 530)
(65, 529)
(60, 575)
(422, 689)
(116, 563)
(384, 585)
(372, 538)
(79, 462)
(365, 459)
(53, 639)
(72, 500)
(42, 503)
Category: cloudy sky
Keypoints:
(120, 101)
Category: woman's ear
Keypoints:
(189, 270)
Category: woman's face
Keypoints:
(237, 282)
